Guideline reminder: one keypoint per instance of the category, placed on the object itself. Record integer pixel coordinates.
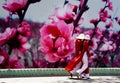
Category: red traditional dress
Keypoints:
(83, 71)
(81, 48)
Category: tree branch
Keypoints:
(83, 9)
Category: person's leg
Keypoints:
(87, 75)
(84, 66)
(76, 68)
(82, 74)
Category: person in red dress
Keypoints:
(75, 63)
(79, 64)
(84, 69)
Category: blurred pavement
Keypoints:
(61, 79)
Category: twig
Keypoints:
(83, 9)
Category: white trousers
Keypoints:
(76, 68)
(85, 64)
(79, 70)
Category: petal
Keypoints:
(65, 29)
(59, 42)
(60, 13)
(51, 58)
(49, 29)
(46, 44)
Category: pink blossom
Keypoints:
(14, 39)
(14, 63)
(108, 46)
(108, 25)
(110, 6)
(3, 57)
(67, 13)
(7, 61)
(104, 15)
(56, 41)
(14, 5)
(7, 18)
(77, 30)
(23, 43)
(94, 21)
(98, 32)
(113, 35)
(49, 50)
(90, 32)
(57, 29)
(24, 29)
(94, 44)
(24, 32)
(8, 34)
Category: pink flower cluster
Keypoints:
(104, 15)
(108, 46)
(14, 5)
(16, 38)
(104, 42)
(9, 62)
(7, 35)
(94, 21)
(66, 13)
(3, 57)
(56, 40)
(24, 29)
(109, 4)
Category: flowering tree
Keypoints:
(52, 44)
(15, 39)
(106, 50)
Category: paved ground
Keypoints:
(61, 79)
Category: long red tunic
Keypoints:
(80, 48)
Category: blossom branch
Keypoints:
(66, 1)
(22, 15)
(83, 9)
(96, 23)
